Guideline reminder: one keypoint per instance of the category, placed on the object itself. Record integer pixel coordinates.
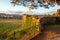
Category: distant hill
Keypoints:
(10, 16)
(29, 12)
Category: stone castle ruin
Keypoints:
(35, 19)
(42, 21)
(57, 13)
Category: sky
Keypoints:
(5, 5)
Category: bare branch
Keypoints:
(32, 3)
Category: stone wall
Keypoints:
(47, 21)
(44, 20)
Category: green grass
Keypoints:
(8, 27)
(5, 28)
(13, 29)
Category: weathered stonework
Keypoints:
(57, 13)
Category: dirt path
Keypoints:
(49, 33)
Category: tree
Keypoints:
(35, 3)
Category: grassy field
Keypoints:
(14, 21)
(14, 29)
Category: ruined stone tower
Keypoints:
(57, 13)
